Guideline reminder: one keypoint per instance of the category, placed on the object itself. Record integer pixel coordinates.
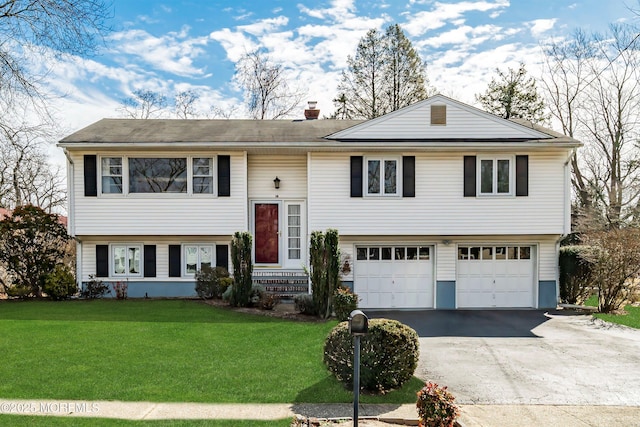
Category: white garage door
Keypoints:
(495, 276)
(395, 276)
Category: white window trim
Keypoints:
(512, 172)
(190, 176)
(183, 256)
(382, 159)
(112, 270)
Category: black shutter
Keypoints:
(174, 261)
(356, 176)
(149, 260)
(522, 175)
(224, 176)
(408, 176)
(222, 256)
(102, 260)
(90, 175)
(469, 176)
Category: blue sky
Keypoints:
(170, 46)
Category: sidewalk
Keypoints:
(471, 415)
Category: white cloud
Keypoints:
(173, 52)
(443, 13)
(540, 26)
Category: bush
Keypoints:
(94, 288)
(303, 303)
(389, 355)
(226, 295)
(208, 282)
(435, 406)
(121, 289)
(344, 302)
(18, 291)
(60, 283)
(575, 274)
(255, 296)
(241, 246)
(269, 301)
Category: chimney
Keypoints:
(311, 113)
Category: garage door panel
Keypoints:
(498, 279)
(404, 281)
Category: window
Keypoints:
(294, 231)
(495, 176)
(126, 260)
(157, 175)
(196, 257)
(202, 175)
(382, 177)
(112, 175)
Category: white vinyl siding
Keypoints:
(439, 207)
(291, 170)
(131, 214)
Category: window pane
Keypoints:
(400, 253)
(361, 254)
(191, 259)
(463, 252)
(424, 253)
(202, 167)
(512, 252)
(206, 253)
(503, 176)
(390, 167)
(525, 252)
(294, 253)
(119, 260)
(374, 253)
(501, 252)
(412, 253)
(134, 260)
(151, 175)
(487, 253)
(294, 230)
(203, 185)
(474, 253)
(111, 175)
(373, 177)
(486, 176)
(112, 185)
(386, 253)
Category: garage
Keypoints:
(495, 276)
(394, 276)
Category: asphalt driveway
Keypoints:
(526, 357)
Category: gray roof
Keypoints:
(201, 131)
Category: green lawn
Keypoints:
(165, 351)
(631, 318)
(40, 421)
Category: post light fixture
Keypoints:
(358, 327)
(276, 183)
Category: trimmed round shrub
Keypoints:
(208, 282)
(303, 303)
(388, 355)
(60, 283)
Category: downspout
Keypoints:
(71, 210)
(566, 216)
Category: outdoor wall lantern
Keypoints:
(358, 326)
(276, 183)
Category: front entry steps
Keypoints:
(286, 284)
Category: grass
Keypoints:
(631, 318)
(37, 421)
(166, 351)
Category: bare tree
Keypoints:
(593, 86)
(185, 104)
(144, 104)
(45, 27)
(267, 91)
(26, 176)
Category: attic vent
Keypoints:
(438, 114)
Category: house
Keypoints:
(438, 205)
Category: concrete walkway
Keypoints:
(471, 415)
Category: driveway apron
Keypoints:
(526, 357)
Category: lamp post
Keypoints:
(358, 326)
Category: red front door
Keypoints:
(266, 235)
